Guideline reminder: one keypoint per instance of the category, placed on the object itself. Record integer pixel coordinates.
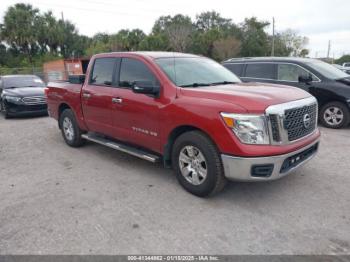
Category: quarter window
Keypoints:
(134, 70)
(260, 70)
(102, 73)
(289, 72)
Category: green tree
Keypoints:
(176, 30)
(46, 27)
(126, 40)
(254, 38)
(207, 21)
(294, 43)
(343, 59)
(18, 29)
(226, 48)
(154, 42)
(98, 47)
(101, 37)
(210, 29)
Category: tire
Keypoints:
(334, 115)
(4, 110)
(202, 148)
(70, 129)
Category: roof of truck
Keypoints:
(154, 54)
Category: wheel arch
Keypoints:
(63, 106)
(173, 135)
(322, 103)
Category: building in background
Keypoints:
(60, 69)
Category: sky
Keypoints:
(319, 20)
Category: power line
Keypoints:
(102, 4)
(95, 10)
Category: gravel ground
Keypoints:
(93, 200)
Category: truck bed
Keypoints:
(63, 92)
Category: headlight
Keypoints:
(13, 99)
(250, 129)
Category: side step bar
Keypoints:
(120, 147)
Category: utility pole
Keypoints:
(273, 37)
(64, 37)
(329, 48)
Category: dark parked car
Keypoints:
(328, 84)
(22, 95)
(342, 68)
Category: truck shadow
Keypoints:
(234, 192)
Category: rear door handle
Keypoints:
(117, 100)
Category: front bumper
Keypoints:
(24, 110)
(266, 168)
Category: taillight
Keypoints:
(46, 90)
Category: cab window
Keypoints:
(132, 70)
(102, 72)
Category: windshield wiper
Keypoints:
(223, 83)
(196, 85)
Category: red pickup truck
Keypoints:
(189, 112)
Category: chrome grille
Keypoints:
(274, 128)
(291, 121)
(34, 100)
(294, 121)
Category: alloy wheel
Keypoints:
(333, 115)
(193, 165)
(68, 128)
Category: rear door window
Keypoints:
(102, 72)
(237, 69)
(260, 71)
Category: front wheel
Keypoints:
(197, 164)
(70, 129)
(3, 109)
(334, 115)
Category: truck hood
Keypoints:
(24, 91)
(254, 97)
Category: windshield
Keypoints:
(195, 71)
(327, 70)
(22, 81)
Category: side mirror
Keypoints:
(145, 87)
(305, 79)
(76, 79)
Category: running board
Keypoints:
(121, 147)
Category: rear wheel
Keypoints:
(197, 164)
(334, 115)
(70, 129)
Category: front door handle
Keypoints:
(86, 95)
(117, 100)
